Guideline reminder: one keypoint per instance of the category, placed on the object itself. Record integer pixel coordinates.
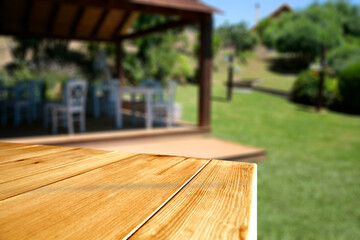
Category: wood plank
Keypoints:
(28, 152)
(65, 19)
(99, 23)
(10, 145)
(130, 21)
(105, 203)
(74, 26)
(42, 178)
(110, 24)
(159, 28)
(53, 16)
(121, 24)
(216, 204)
(12, 170)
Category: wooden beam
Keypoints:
(159, 28)
(130, 21)
(79, 15)
(51, 36)
(27, 13)
(99, 23)
(121, 25)
(53, 15)
(205, 65)
(139, 7)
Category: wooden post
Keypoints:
(119, 65)
(205, 65)
(230, 82)
(319, 104)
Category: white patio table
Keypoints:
(133, 91)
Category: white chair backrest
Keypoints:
(76, 92)
(150, 83)
(3, 95)
(113, 87)
(37, 90)
(23, 91)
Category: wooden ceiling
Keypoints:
(98, 20)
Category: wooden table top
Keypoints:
(49, 192)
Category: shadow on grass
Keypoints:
(219, 99)
(286, 65)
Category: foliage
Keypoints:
(340, 58)
(304, 33)
(6, 79)
(162, 59)
(347, 15)
(216, 45)
(183, 69)
(161, 56)
(305, 89)
(92, 48)
(236, 37)
(134, 70)
(262, 26)
(24, 45)
(143, 44)
(349, 87)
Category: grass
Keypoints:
(255, 67)
(308, 187)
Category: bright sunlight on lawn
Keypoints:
(308, 187)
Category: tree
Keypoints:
(237, 39)
(157, 54)
(311, 32)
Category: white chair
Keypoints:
(37, 95)
(3, 104)
(165, 110)
(152, 83)
(74, 108)
(107, 99)
(20, 102)
(51, 104)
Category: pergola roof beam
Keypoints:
(99, 23)
(54, 13)
(28, 12)
(78, 17)
(121, 25)
(139, 6)
(159, 28)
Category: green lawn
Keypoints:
(255, 67)
(309, 185)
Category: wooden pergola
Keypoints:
(111, 21)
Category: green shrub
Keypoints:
(342, 57)
(349, 88)
(183, 68)
(6, 79)
(305, 89)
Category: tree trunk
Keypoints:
(319, 105)
(230, 82)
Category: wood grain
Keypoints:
(8, 146)
(105, 203)
(42, 178)
(28, 166)
(14, 154)
(214, 205)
